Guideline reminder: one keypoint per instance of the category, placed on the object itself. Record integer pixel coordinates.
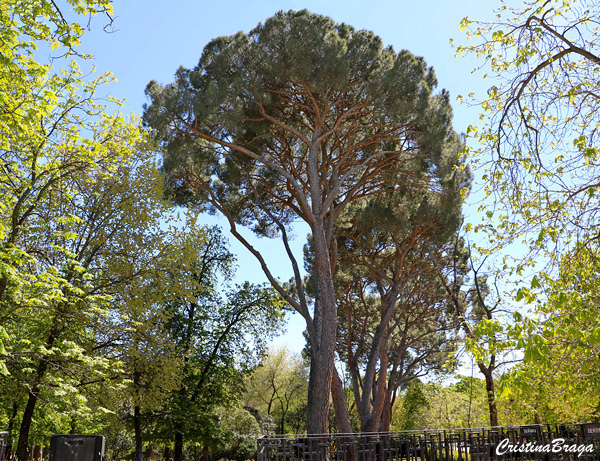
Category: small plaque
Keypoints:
(77, 448)
(530, 432)
(591, 430)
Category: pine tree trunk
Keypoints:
(342, 417)
(323, 337)
(386, 414)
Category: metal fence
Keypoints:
(3, 444)
(546, 442)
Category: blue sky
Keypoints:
(152, 38)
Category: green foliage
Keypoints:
(540, 122)
(218, 337)
(561, 349)
(241, 431)
(409, 408)
(538, 155)
(278, 387)
(442, 406)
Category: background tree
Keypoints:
(393, 324)
(71, 347)
(478, 311)
(219, 337)
(296, 120)
(557, 379)
(278, 387)
(541, 134)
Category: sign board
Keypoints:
(591, 431)
(530, 432)
(77, 448)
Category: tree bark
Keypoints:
(322, 338)
(491, 394)
(386, 414)
(178, 451)
(22, 444)
(137, 425)
(342, 417)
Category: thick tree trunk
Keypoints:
(323, 341)
(178, 450)
(137, 426)
(342, 417)
(386, 414)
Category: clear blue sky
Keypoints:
(153, 38)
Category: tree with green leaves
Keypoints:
(540, 133)
(295, 121)
(278, 386)
(218, 336)
(71, 231)
(393, 325)
(540, 121)
(74, 346)
(561, 351)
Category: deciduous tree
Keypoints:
(541, 119)
(219, 335)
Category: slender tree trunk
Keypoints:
(205, 453)
(342, 417)
(137, 425)
(178, 451)
(167, 452)
(22, 444)
(11, 425)
(3, 285)
(137, 420)
(491, 394)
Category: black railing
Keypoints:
(546, 442)
(3, 444)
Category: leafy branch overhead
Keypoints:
(541, 120)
